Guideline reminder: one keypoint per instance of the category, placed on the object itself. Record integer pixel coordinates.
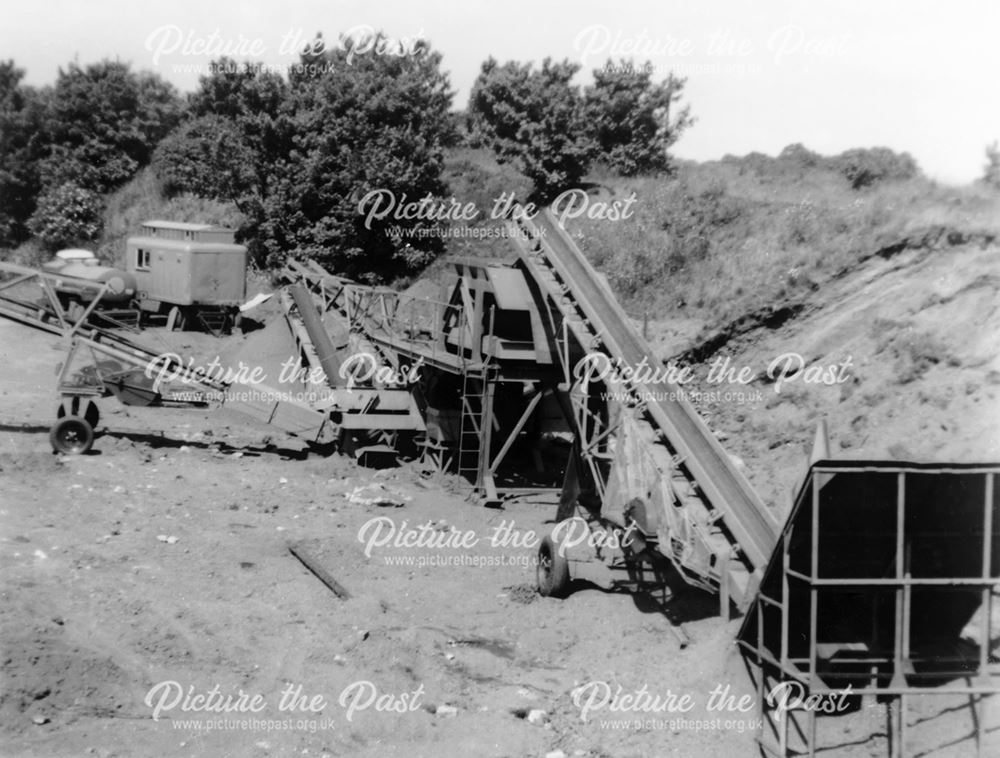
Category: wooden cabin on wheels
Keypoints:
(193, 273)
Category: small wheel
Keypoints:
(71, 435)
(552, 571)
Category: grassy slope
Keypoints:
(725, 239)
(139, 200)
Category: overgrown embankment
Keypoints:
(754, 236)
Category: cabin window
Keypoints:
(142, 258)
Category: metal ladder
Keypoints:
(476, 433)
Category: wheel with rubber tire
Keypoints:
(71, 435)
(552, 570)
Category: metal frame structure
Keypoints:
(118, 366)
(48, 315)
(457, 336)
(713, 526)
(878, 570)
(695, 504)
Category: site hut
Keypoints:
(194, 274)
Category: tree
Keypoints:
(255, 131)
(634, 121)
(363, 123)
(102, 123)
(233, 147)
(534, 118)
(991, 171)
(20, 150)
(297, 157)
(240, 131)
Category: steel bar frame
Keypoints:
(794, 733)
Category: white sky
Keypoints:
(921, 76)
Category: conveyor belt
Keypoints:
(724, 487)
(42, 316)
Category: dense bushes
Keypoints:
(20, 151)
(102, 122)
(290, 158)
(67, 215)
(297, 157)
(725, 238)
(865, 167)
(861, 167)
(991, 171)
(205, 156)
(65, 146)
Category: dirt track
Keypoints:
(165, 559)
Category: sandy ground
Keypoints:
(913, 346)
(158, 568)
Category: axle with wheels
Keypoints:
(597, 550)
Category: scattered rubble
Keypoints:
(378, 494)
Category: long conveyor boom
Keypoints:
(725, 488)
